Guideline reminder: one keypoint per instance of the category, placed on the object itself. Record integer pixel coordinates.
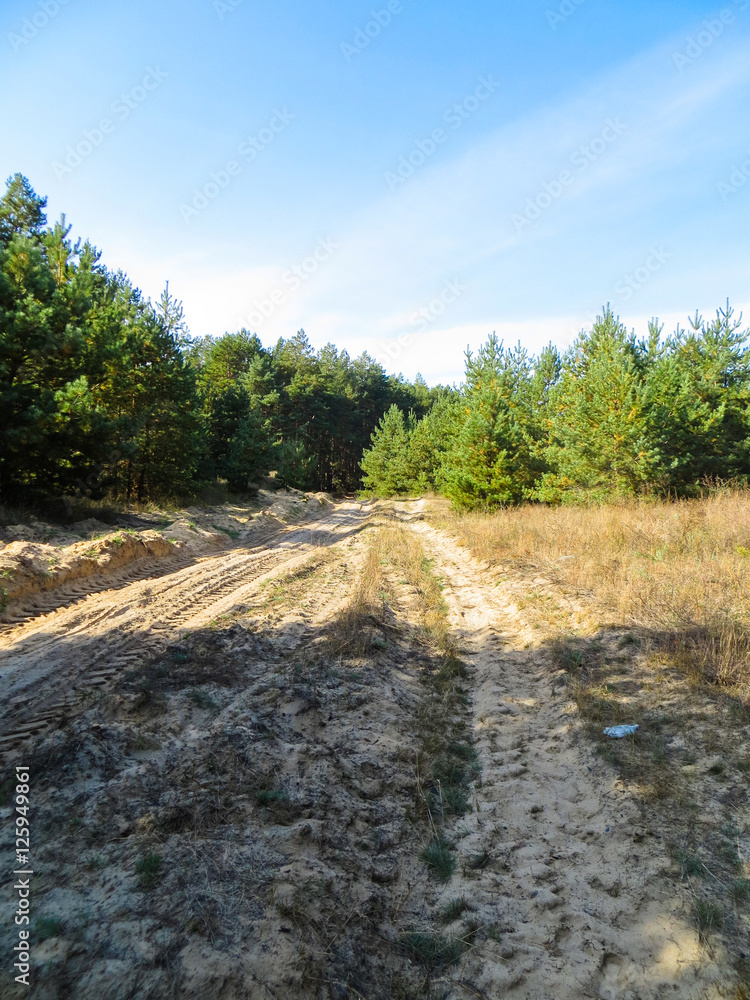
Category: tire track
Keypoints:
(38, 606)
(576, 884)
(52, 666)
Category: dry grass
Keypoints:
(646, 608)
(404, 550)
(396, 584)
(354, 630)
(680, 570)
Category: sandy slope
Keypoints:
(45, 566)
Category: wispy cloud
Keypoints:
(453, 221)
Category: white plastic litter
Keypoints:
(617, 732)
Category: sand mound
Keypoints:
(37, 557)
(34, 567)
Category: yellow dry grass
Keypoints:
(391, 546)
(678, 569)
(405, 552)
(351, 629)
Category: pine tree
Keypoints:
(494, 457)
(385, 464)
(172, 317)
(430, 442)
(151, 392)
(600, 443)
(249, 453)
(53, 433)
(699, 403)
(21, 210)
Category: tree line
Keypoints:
(613, 416)
(104, 394)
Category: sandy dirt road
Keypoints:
(298, 773)
(581, 880)
(51, 663)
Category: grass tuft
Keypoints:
(740, 890)
(271, 796)
(48, 927)
(149, 871)
(234, 535)
(438, 856)
(433, 951)
(690, 864)
(709, 916)
(203, 700)
(452, 910)
(477, 862)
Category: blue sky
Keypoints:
(401, 178)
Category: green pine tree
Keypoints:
(600, 445)
(699, 403)
(385, 465)
(21, 210)
(494, 458)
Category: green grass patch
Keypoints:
(234, 535)
(433, 951)
(467, 753)
(708, 916)
(149, 870)
(478, 862)
(438, 856)
(690, 865)
(271, 796)
(568, 657)
(452, 910)
(455, 802)
(740, 890)
(203, 700)
(730, 857)
(47, 927)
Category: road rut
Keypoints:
(577, 879)
(50, 664)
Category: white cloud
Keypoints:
(452, 220)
